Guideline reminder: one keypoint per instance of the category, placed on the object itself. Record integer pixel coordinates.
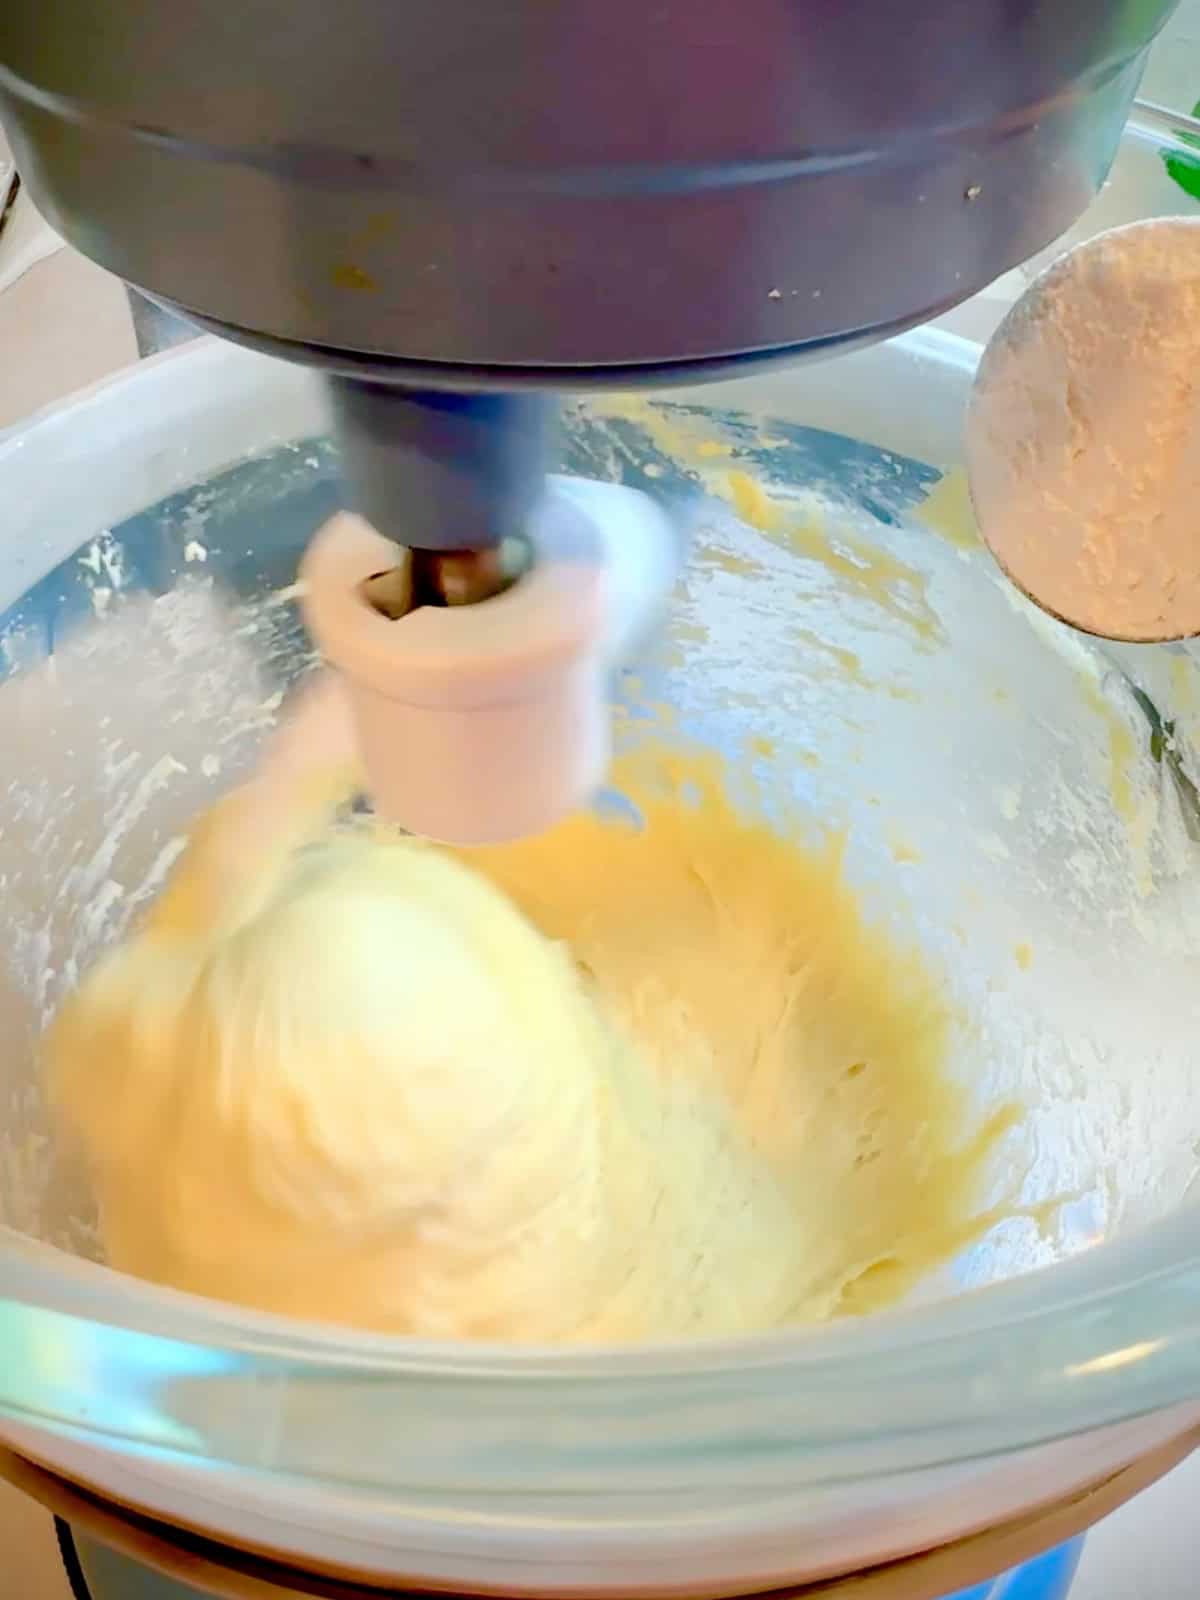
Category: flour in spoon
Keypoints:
(1083, 435)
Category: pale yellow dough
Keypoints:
(683, 1089)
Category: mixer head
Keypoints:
(455, 208)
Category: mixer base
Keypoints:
(113, 1553)
(96, 1572)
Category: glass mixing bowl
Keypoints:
(1019, 796)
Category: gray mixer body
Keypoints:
(499, 194)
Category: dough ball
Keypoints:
(361, 1102)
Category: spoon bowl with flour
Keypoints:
(1083, 435)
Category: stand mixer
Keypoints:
(458, 211)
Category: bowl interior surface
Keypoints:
(1015, 796)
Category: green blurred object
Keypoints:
(1185, 170)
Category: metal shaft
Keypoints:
(439, 470)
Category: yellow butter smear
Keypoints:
(947, 511)
(626, 1080)
(862, 569)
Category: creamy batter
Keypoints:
(620, 1081)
